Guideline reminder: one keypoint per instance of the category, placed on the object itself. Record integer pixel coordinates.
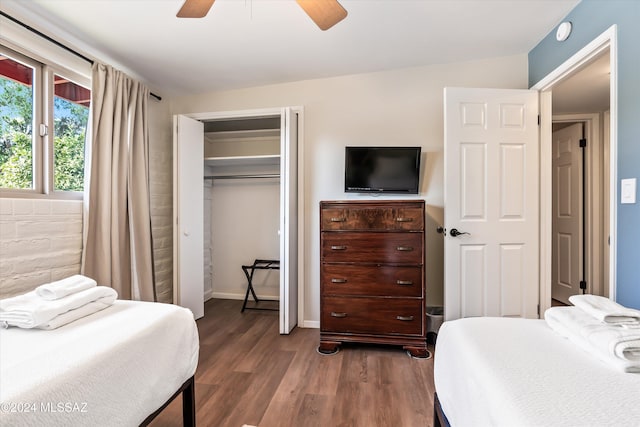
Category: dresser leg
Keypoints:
(418, 352)
(328, 347)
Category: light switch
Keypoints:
(628, 190)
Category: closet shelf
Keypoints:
(273, 159)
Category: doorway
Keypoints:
(580, 105)
(582, 90)
(472, 110)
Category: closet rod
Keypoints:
(262, 175)
(57, 43)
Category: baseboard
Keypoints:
(311, 324)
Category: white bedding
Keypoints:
(519, 372)
(112, 368)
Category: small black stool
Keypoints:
(258, 264)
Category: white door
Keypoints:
(491, 193)
(188, 202)
(566, 263)
(288, 221)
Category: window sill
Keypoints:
(56, 195)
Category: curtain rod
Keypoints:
(57, 43)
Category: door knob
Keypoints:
(455, 233)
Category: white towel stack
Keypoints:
(602, 327)
(64, 287)
(605, 310)
(55, 304)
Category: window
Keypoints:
(44, 112)
(70, 117)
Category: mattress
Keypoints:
(519, 372)
(112, 368)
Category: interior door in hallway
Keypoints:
(491, 203)
(567, 249)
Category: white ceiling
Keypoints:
(245, 43)
(586, 90)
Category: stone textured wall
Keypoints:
(161, 193)
(40, 241)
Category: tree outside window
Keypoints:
(70, 116)
(16, 125)
(67, 126)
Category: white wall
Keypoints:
(244, 227)
(434, 248)
(398, 107)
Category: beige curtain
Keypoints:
(118, 249)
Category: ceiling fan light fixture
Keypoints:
(325, 13)
(195, 8)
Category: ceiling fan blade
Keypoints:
(325, 13)
(195, 8)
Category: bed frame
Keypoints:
(439, 418)
(188, 404)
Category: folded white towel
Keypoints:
(615, 345)
(605, 310)
(31, 311)
(64, 287)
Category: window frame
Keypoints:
(50, 71)
(43, 114)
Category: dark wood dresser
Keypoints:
(372, 287)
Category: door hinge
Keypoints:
(583, 284)
(538, 119)
(583, 142)
(44, 130)
(538, 310)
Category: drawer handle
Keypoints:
(338, 248)
(338, 280)
(404, 318)
(402, 219)
(339, 315)
(343, 219)
(404, 282)
(404, 248)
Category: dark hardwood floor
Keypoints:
(250, 374)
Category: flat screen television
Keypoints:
(382, 170)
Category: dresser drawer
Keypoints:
(372, 315)
(395, 248)
(342, 279)
(367, 218)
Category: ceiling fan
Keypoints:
(325, 13)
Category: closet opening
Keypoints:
(236, 190)
(241, 209)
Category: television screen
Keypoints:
(382, 170)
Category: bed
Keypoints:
(119, 366)
(519, 372)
